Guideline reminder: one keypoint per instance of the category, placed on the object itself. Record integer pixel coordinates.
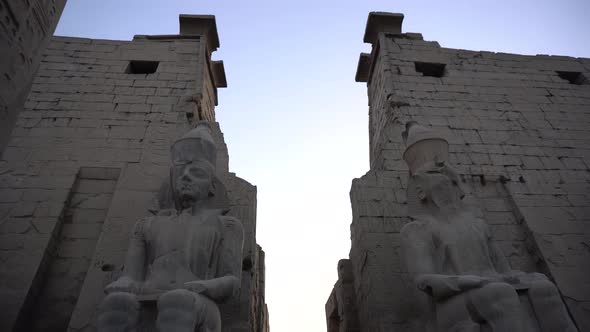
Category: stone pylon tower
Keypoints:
(85, 160)
(518, 128)
(25, 31)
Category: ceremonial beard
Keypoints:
(446, 203)
(444, 197)
(442, 202)
(189, 197)
(187, 201)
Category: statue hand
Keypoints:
(123, 284)
(441, 286)
(197, 286)
(434, 284)
(467, 282)
(522, 278)
(513, 277)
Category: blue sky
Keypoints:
(296, 122)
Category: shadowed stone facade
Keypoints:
(518, 128)
(25, 30)
(89, 153)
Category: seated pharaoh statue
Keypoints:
(182, 262)
(451, 257)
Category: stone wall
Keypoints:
(518, 128)
(341, 308)
(25, 30)
(385, 295)
(70, 254)
(105, 105)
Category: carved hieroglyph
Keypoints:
(450, 255)
(187, 258)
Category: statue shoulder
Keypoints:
(142, 225)
(231, 225)
(417, 236)
(417, 228)
(230, 221)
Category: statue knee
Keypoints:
(499, 291)
(176, 299)
(120, 302)
(181, 310)
(549, 308)
(497, 305)
(118, 311)
(175, 311)
(208, 312)
(493, 300)
(543, 289)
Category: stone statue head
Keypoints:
(192, 171)
(438, 185)
(432, 181)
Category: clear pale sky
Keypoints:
(296, 122)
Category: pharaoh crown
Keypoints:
(424, 147)
(198, 141)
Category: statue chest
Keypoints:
(185, 241)
(462, 247)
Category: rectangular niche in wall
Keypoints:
(573, 77)
(71, 254)
(142, 67)
(430, 69)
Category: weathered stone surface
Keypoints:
(187, 258)
(26, 30)
(341, 306)
(518, 136)
(450, 253)
(87, 118)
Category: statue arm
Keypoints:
(417, 249)
(519, 279)
(227, 282)
(134, 268)
(418, 254)
(136, 254)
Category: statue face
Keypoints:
(440, 186)
(192, 179)
(192, 174)
(444, 191)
